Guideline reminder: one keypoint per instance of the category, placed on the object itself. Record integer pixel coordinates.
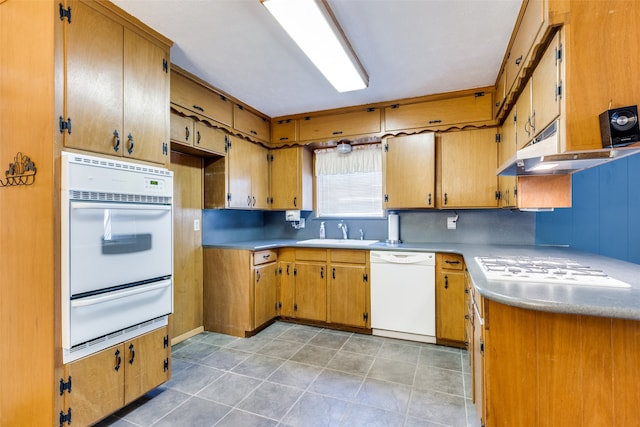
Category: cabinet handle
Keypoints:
(254, 201)
(431, 122)
(132, 352)
(429, 199)
(257, 276)
(248, 200)
(452, 262)
(445, 198)
(333, 272)
(116, 140)
(518, 60)
(198, 137)
(338, 132)
(284, 138)
(199, 108)
(266, 256)
(322, 272)
(446, 282)
(253, 132)
(287, 270)
(295, 202)
(186, 133)
(118, 360)
(130, 143)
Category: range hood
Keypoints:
(542, 157)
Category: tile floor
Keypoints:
(295, 375)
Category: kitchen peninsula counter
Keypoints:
(559, 298)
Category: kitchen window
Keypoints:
(349, 185)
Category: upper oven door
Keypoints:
(113, 244)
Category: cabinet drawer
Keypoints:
(338, 125)
(311, 254)
(199, 99)
(348, 256)
(464, 109)
(450, 262)
(284, 131)
(209, 139)
(251, 124)
(181, 129)
(264, 257)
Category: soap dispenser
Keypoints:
(322, 235)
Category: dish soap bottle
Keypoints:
(322, 235)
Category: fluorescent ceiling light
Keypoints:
(313, 27)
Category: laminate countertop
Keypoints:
(560, 298)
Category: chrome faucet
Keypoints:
(343, 227)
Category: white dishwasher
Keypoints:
(403, 295)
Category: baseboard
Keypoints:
(186, 335)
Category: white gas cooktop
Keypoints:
(546, 270)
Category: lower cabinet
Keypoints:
(450, 300)
(110, 379)
(265, 287)
(310, 285)
(349, 299)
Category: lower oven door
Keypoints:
(112, 311)
(112, 244)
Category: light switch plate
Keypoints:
(196, 225)
(451, 222)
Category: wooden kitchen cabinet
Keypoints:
(241, 179)
(507, 185)
(284, 132)
(195, 99)
(106, 381)
(451, 111)
(546, 91)
(116, 87)
(310, 297)
(286, 285)
(339, 125)
(524, 129)
(254, 126)
(196, 135)
(450, 300)
(265, 273)
(409, 171)
(348, 288)
(466, 169)
(291, 178)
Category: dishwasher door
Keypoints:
(403, 301)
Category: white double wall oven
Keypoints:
(117, 252)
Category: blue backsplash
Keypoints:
(474, 226)
(605, 213)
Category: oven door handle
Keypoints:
(119, 294)
(132, 206)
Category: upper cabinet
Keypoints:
(291, 178)
(284, 132)
(251, 124)
(198, 135)
(409, 171)
(116, 86)
(466, 165)
(452, 111)
(338, 126)
(189, 95)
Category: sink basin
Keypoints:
(341, 242)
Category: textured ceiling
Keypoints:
(408, 47)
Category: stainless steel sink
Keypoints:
(339, 242)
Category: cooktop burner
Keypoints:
(547, 270)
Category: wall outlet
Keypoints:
(451, 222)
(196, 225)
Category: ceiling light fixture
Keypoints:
(312, 25)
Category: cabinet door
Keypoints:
(287, 289)
(348, 295)
(506, 151)
(311, 291)
(146, 99)
(450, 307)
(200, 100)
(544, 88)
(265, 292)
(259, 176)
(254, 126)
(284, 131)
(409, 171)
(336, 126)
(468, 161)
(97, 385)
(94, 81)
(524, 128)
(181, 129)
(147, 363)
(239, 173)
(209, 139)
(286, 179)
(478, 366)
